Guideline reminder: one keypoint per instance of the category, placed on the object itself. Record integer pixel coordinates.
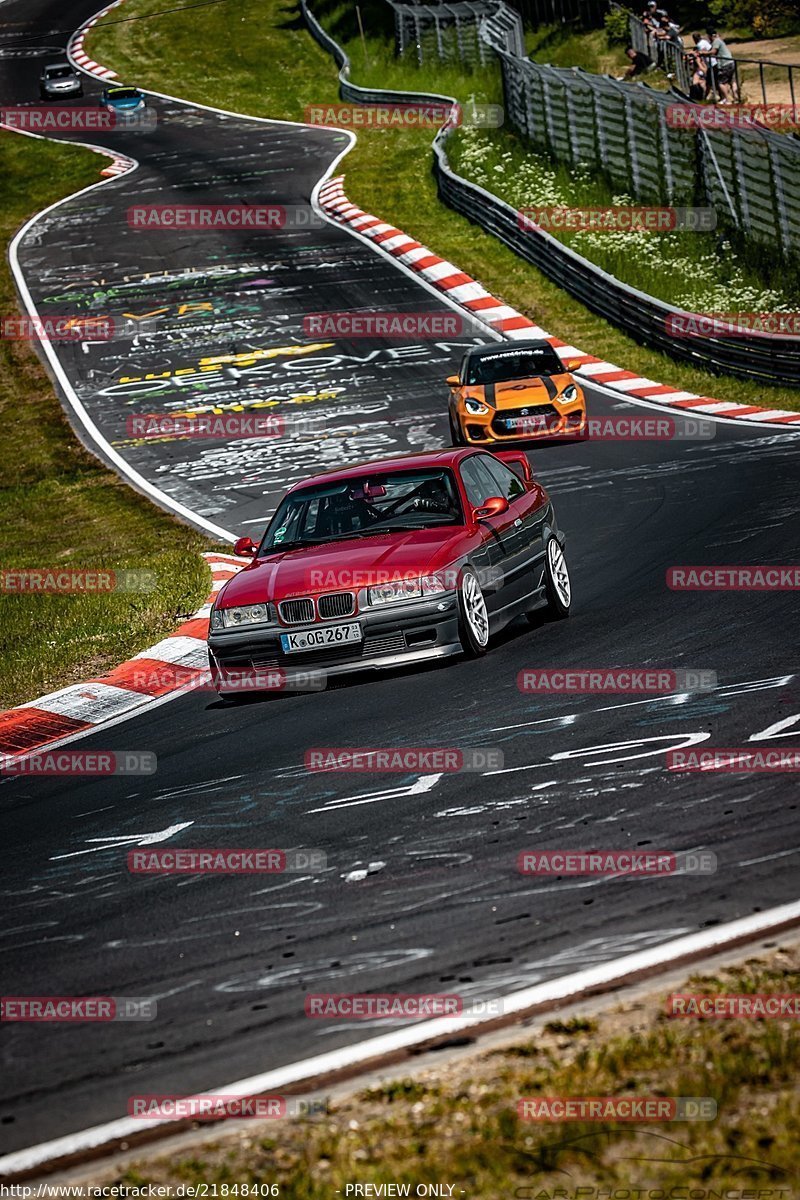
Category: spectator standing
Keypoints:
(723, 67)
(699, 57)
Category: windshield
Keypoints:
(363, 506)
(521, 364)
(59, 72)
(124, 94)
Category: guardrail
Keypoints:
(767, 358)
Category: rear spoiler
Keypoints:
(517, 461)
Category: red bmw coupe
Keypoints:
(406, 559)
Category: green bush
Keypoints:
(617, 28)
(776, 18)
(764, 18)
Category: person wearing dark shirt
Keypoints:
(639, 63)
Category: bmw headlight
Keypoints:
(406, 589)
(569, 393)
(475, 406)
(241, 614)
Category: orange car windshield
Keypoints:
(504, 366)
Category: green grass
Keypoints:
(59, 507)
(225, 55)
(458, 1123)
(561, 46)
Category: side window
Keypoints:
(508, 483)
(477, 480)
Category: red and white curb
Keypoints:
(119, 164)
(484, 307)
(77, 54)
(176, 664)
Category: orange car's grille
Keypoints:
(536, 418)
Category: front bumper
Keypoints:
(395, 635)
(549, 420)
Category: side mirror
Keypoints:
(573, 364)
(245, 546)
(453, 381)
(495, 506)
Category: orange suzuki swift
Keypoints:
(514, 391)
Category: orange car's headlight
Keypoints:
(569, 394)
(476, 407)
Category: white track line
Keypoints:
(553, 993)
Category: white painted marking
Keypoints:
(412, 256)
(189, 651)
(88, 701)
(423, 784)
(774, 731)
(399, 239)
(467, 291)
(601, 368)
(128, 839)
(441, 271)
(631, 385)
(677, 742)
(672, 397)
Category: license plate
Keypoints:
(315, 639)
(528, 424)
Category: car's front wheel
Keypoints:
(557, 582)
(473, 615)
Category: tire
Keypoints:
(557, 581)
(456, 436)
(473, 616)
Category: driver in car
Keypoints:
(433, 496)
